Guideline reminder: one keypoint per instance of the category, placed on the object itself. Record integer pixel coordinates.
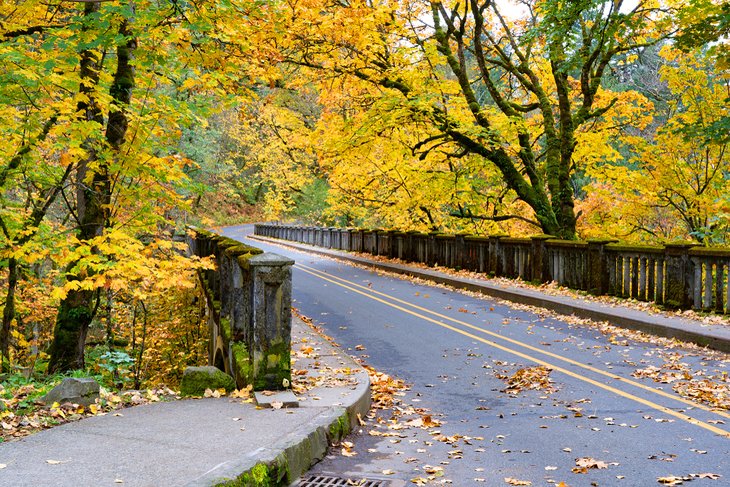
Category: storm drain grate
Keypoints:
(326, 481)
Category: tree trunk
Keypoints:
(8, 312)
(76, 311)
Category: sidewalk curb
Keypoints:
(287, 459)
(715, 337)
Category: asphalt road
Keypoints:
(456, 352)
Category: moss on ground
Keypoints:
(339, 429)
(261, 475)
(197, 379)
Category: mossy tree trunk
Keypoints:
(77, 310)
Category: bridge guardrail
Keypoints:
(680, 275)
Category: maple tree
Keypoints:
(96, 94)
(682, 174)
(512, 94)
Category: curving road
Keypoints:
(456, 350)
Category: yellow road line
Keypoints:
(535, 349)
(570, 373)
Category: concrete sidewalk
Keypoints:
(713, 336)
(200, 442)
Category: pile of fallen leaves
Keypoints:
(24, 413)
(710, 389)
(583, 464)
(528, 378)
(384, 389)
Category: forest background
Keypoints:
(125, 121)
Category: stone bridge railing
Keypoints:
(681, 275)
(248, 297)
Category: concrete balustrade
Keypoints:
(677, 275)
(248, 300)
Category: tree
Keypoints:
(676, 181)
(514, 93)
(97, 95)
(705, 24)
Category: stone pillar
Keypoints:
(678, 278)
(495, 255)
(270, 346)
(226, 282)
(432, 249)
(409, 246)
(540, 264)
(241, 302)
(459, 251)
(598, 275)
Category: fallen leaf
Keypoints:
(712, 476)
(54, 462)
(388, 472)
(672, 480)
(583, 464)
(512, 481)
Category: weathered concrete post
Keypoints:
(495, 255)
(540, 269)
(459, 251)
(598, 275)
(271, 321)
(432, 249)
(678, 278)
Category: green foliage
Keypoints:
(116, 363)
(311, 204)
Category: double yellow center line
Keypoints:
(443, 321)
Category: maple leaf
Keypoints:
(712, 476)
(513, 481)
(672, 480)
(585, 463)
